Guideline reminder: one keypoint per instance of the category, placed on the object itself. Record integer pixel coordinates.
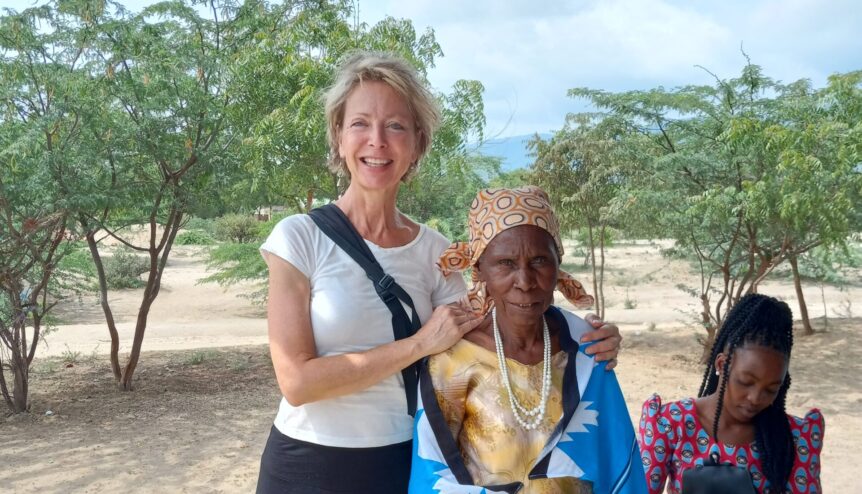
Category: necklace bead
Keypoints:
(532, 418)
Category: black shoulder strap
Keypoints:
(337, 227)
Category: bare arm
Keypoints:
(304, 377)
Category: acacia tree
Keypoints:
(818, 185)
(43, 105)
(142, 99)
(721, 170)
(161, 134)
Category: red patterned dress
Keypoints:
(672, 440)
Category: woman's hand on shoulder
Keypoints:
(447, 325)
(607, 339)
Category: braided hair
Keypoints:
(768, 322)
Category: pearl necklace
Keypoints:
(528, 419)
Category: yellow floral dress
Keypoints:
(495, 448)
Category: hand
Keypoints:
(447, 325)
(607, 337)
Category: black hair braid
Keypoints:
(764, 321)
(772, 431)
(733, 343)
(775, 440)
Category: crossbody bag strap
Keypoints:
(333, 222)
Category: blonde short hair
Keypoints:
(400, 76)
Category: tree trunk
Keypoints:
(106, 307)
(710, 330)
(158, 261)
(20, 372)
(137, 343)
(797, 283)
(601, 293)
(309, 200)
(4, 389)
(599, 302)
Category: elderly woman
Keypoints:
(516, 405)
(343, 424)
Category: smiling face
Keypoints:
(756, 375)
(377, 136)
(519, 268)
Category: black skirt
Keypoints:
(291, 466)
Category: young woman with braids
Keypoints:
(739, 412)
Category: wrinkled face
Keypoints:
(756, 376)
(377, 136)
(519, 268)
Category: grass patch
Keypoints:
(69, 357)
(198, 357)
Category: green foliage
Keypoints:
(112, 118)
(205, 225)
(239, 228)
(512, 179)
(742, 174)
(582, 235)
(239, 263)
(75, 270)
(833, 266)
(194, 238)
(122, 117)
(124, 269)
(442, 196)
(234, 263)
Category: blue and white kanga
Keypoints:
(593, 441)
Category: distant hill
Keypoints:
(513, 150)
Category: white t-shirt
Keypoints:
(348, 316)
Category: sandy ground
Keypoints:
(205, 393)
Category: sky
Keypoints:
(528, 53)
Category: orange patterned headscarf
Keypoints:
(494, 211)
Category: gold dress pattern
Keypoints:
(474, 402)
